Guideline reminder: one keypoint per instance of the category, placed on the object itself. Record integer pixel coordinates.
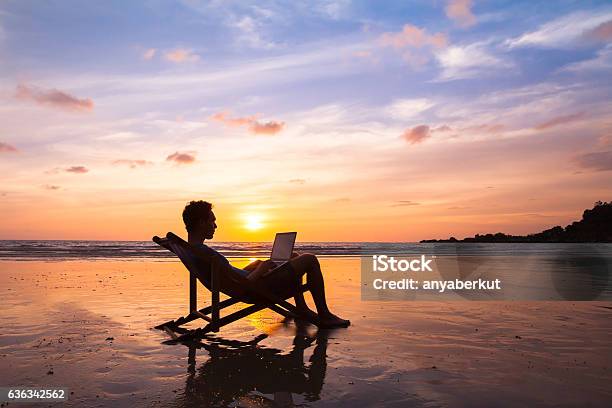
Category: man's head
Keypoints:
(199, 219)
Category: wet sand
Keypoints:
(87, 325)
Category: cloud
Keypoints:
(250, 33)
(50, 187)
(443, 128)
(53, 98)
(333, 9)
(560, 120)
(362, 54)
(486, 128)
(255, 126)
(598, 161)
(405, 203)
(182, 158)
(133, 163)
(224, 117)
(267, 128)
(602, 32)
(417, 134)
(469, 61)
(149, 54)
(180, 55)
(602, 61)
(77, 169)
(7, 148)
(297, 181)
(605, 140)
(408, 108)
(563, 32)
(460, 12)
(415, 59)
(413, 36)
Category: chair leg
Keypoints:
(193, 293)
(191, 317)
(278, 305)
(223, 321)
(282, 311)
(215, 310)
(215, 298)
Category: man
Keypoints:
(200, 222)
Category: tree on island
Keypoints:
(595, 226)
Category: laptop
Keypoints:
(282, 248)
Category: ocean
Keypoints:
(139, 250)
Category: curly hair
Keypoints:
(195, 212)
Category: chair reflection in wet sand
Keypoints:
(247, 374)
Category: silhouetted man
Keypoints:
(284, 281)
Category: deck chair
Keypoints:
(252, 293)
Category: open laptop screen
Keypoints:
(283, 246)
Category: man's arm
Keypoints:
(253, 265)
(261, 269)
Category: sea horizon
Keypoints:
(140, 250)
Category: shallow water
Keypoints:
(87, 325)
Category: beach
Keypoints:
(87, 325)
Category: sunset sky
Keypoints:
(342, 120)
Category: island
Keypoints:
(595, 226)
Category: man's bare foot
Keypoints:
(331, 320)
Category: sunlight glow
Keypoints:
(253, 222)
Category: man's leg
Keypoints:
(309, 264)
(300, 302)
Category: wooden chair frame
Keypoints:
(258, 296)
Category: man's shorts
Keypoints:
(283, 281)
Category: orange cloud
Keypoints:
(7, 148)
(417, 134)
(605, 140)
(268, 128)
(132, 163)
(182, 158)
(413, 36)
(405, 203)
(602, 32)
(297, 181)
(256, 127)
(460, 12)
(224, 117)
(181, 55)
(149, 54)
(598, 161)
(559, 120)
(53, 98)
(50, 187)
(77, 169)
(415, 60)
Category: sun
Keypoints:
(253, 222)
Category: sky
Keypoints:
(342, 120)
